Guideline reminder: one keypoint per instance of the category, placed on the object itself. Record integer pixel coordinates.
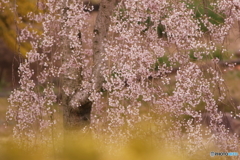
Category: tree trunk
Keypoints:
(75, 118)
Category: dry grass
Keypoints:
(4, 132)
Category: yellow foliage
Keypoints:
(10, 22)
(80, 146)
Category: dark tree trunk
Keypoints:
(75, 118)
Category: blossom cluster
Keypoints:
(56, 33)
(132, 84)
(138, 86)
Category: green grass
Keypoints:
(201, 11)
